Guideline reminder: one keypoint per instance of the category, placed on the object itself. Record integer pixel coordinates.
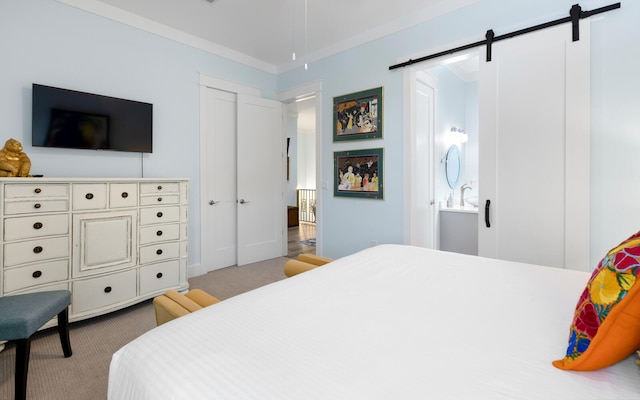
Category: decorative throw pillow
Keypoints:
(606, 324)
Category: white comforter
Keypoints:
(390, 322)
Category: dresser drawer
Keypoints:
(159, 277)
(159, 200)
(37, 226)
(123, 195)
(29, 206)
(159, 252)
(35, 274)
(53, 286)
(92, 294)
(159, 188)
(90, 196)
(159, 233)
(36, 250)
(158, 215)
(22, 190)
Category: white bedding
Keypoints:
(390, 322)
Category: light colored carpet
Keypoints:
(84, 375)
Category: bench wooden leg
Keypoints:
(63, 331)
(23, 348)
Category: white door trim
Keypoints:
(413, 217)
(227, 86)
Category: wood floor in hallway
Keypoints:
(297, 234)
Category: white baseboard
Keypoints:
(195, 270)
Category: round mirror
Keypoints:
(452, 166)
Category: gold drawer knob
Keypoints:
(37, 249)
(37, 274)
(159, 199)
(37, 225)
(124, 195)
(38, 190)
(37, 205)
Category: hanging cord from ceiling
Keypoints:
(306, 33)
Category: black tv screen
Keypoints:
(77, 120)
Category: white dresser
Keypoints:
(112, 242)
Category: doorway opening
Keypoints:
(301, 176)
(303, 194)
(442, 104)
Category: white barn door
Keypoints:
(534, 149)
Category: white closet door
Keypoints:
(261, 210)
(534, 149)
(219, 219)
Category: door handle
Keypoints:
(486, 213)
(243, 201)
(211, 202)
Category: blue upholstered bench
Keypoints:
(22, 315)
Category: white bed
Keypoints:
(390, 322)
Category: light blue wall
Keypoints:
(47, 42)
(350, 225)
(615, 128)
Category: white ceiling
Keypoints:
(271, 30)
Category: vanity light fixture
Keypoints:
(458, 135)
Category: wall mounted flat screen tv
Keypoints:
(77, 120)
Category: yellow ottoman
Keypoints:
(303, 263)
(172, 304)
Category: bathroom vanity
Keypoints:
(459, 230)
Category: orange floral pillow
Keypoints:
(606, 323)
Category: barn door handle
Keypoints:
(486, 213)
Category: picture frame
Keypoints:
(358, 173)
(358, 116)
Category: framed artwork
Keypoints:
(358, 173)
(358, 116)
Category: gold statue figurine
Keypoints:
(13, 161)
